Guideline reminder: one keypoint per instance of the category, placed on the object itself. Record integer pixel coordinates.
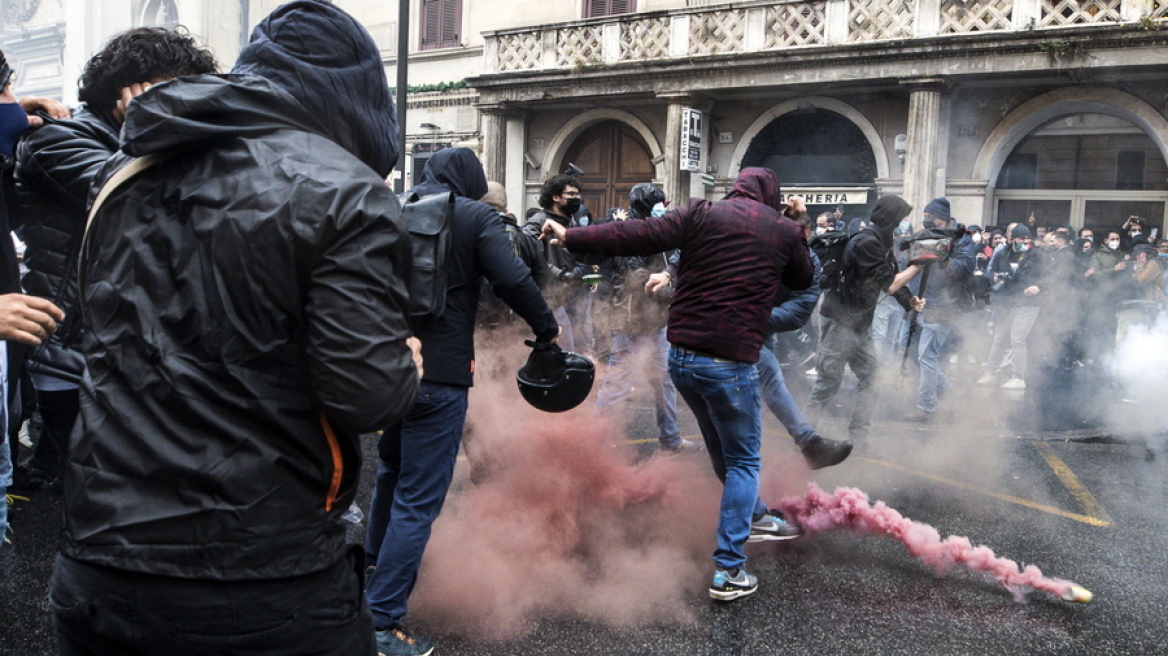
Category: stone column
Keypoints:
(675, 182)
(494, 141)
(924, 129)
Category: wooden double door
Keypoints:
(614, 158)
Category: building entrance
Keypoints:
(614, 158)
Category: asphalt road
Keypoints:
(1085, 505)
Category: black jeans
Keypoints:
(103, 611)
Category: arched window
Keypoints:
(1084, 169)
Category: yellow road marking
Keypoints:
(1086, 519)
(1085, 499)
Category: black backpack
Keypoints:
(829, 248)
(429, 219)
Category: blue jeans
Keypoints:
(888, 330)
(778, 398)
(933, 380)
(417, 464)
(723, 395)
(5, 479)
(618, 381)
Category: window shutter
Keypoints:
(451, 24)
(430, 20)
(598, 8)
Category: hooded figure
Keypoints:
(642, 198)
(332, 67)
(246, 301)
(417, 453)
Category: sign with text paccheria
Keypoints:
(828, 196)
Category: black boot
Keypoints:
(820, 452)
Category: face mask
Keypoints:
(13, 123)
(658, 210)
(1020, 247)
(1113, 245)
(976, 237)
(1162, 256)
(820, 230)
(571, 206)
(905, 226)
(1090, 239)
(583, 221)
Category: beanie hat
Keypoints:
(939, 208)
(1020, 231)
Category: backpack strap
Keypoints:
(119, 178)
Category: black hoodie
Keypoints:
(869, 268)
(330, 64)
(479, 247)
(246, 308)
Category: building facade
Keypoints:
(1056, 108)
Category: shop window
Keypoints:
(598, 8)
(441, 22)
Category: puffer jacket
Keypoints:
(55, 167)
(245, 305)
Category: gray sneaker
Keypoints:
(772, 526)
(683, 445)
(731, 584)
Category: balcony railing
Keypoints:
(758, 26)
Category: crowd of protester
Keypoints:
(179, 372)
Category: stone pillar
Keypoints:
(494, 141)
(675, 182)
(924, 129)
(516, 165)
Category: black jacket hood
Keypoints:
(642, 198)
(459, 170)
(887, 213)
(328, 62)
(189, 111)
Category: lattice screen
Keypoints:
(959, 16)
(645, 39)
(580, 45)
(871, 20)
(520, 52)
(1076, 12)
(794, 24)
(717, 31)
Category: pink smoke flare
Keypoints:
(850, 508)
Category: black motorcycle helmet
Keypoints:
(555, 380)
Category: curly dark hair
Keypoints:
(555, 186)
(141, 55)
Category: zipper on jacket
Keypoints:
(338, 463)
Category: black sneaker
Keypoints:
(27, 477)
(731, 584)
(772, 526)
(821, 452)
(396, 642)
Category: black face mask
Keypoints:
(571, 206)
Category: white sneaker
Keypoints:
(987, 379)
(1014, 384)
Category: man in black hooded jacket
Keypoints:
(868, 270)
(245, 305)
(417, 454)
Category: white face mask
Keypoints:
(1113, 245)
(976, 237)
(820, 230)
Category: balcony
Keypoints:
(749, 27)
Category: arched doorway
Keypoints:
(820, 155)
(1084, 169)
(614, 158)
